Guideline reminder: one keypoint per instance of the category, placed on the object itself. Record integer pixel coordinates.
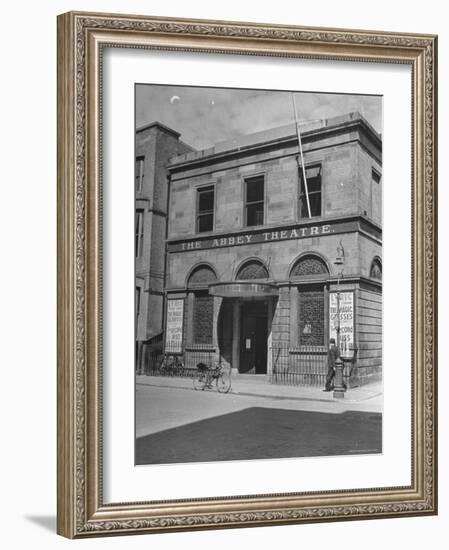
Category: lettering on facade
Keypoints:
(175, 322)
(260, 237)
(347, 318)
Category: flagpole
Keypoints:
(298, 133)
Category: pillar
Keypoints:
(294, 316)
(217, 306)
(270, 337)
(235, 336)
(189, 328)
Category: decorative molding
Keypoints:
(76, 26)
(236, 519)
(249, 30)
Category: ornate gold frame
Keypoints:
(81, 37)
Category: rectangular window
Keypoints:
(203, 318)
(139, 233)
(205, 209)
(254, 201)
(137, 298)
(311, 318)
(313, 178)
(139, 173)
(375, 176)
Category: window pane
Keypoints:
(139, 173)
(311, 318)
(255, 189)
(206, 200)
(203, 318)
(205, 222)
(315, 204)
(375, 176)
(313, 172)
(303, 213)
(254, 214)
(313, 176)
(137, 300)
(139, 232)
(313, 184)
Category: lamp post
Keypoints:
(339, 387)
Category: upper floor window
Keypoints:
(137, 298)
(313, 178)
(375, 176)
(254, 201)
(375, 271)
(205, 209)
(139, 173)
(139, 233)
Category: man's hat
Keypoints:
(332, 340)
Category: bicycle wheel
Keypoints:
(224, 382)
(200, 380)
(162, 367)
(180, 368)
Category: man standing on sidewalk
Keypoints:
(332, 356)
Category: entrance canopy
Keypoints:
(243, 289)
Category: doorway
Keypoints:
(253, 338)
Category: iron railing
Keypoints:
(172, 362)
(301, 366)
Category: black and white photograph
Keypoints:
(258, 274)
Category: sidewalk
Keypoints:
(259, 386)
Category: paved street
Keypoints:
(175, 424)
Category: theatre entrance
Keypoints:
(253, 337)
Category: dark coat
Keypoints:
(332, 356)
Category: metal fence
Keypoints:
(175, 363)
(302, 366)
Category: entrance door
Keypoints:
(253, 338)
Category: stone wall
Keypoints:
(369, 336)
(156, 144)
(347, 157)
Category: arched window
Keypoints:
(253, 269)
(202, 316)
(309, 265)
(375, 271)
(201, 275)
(311, 321)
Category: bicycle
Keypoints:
(207, 375)
(171, 365)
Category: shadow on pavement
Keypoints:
(259, 432)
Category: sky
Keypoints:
(206, 116)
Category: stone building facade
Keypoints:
(155, 145)
(259, 259)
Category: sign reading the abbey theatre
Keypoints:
(261, 236)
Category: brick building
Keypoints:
(259, 261)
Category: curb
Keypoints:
(265, 395)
